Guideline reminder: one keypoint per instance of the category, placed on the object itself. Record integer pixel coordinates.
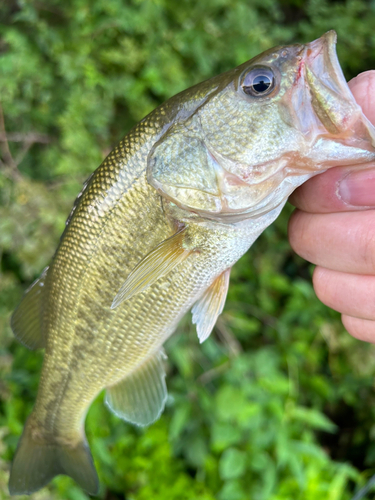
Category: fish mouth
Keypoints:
(325, 106)
(321, 59)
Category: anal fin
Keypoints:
(157, 263)
(26, 319)
(208, 308)
(140, 397)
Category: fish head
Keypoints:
(260, 131)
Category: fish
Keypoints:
(155, 232)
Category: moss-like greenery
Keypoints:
(279, 403)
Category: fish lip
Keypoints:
(320, 69)
(327, 67)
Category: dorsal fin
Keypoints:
(207, 309)
(140, 397)
(26, 319)
(157, 263)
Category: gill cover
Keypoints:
(181, 167)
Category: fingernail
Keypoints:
(358, 188)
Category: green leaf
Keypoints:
(232, 464)
(313, 418)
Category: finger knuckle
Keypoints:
(366, 246)
(326, 287)
(299, 232)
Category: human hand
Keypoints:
(334, 228)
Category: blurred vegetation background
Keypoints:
(279, 403)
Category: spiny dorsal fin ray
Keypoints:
(140, 397)
(26, 319)
(208, 308)
(159, 262)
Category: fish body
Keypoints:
(155, 232)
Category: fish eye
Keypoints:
(258, 82)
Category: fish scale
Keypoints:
(155, 232)
(140, 326)
(123, 229)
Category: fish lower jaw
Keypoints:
(272, 201)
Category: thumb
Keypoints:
(363, 89)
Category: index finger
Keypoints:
(343, 188)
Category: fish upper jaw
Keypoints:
(334, 126)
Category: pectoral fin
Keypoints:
(208, 308)
(159, 262)
(140, 397)
(26, 319)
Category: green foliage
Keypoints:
(279, 403)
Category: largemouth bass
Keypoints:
(155, 232)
